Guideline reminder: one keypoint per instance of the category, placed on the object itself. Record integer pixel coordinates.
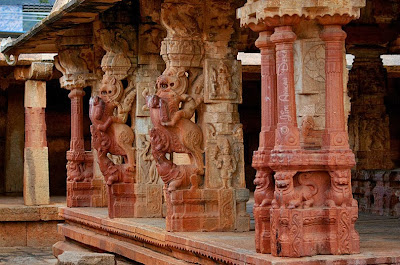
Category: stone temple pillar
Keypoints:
(112, 138)
(36, 164)
(369, 122)
(149, 187)
(264, 177)
(77, 74)
(197, 139)
(311, 184)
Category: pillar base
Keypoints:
(308, 232)
(148, 201)
(85, 194)
(207, 210)
(121, 199)
(263, 229)
(36, 176)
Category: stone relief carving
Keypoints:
(340, 193)
(148, 164)
(314, 63)
(171, 110)
(111, 135)
(286, 195)
(223, 82)
(120, 46)
(226, 160)
(264, 188)
(150, 37)
(220, 24)
(79, 171)
(181, 20)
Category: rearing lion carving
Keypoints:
(174, 131)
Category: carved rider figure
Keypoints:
(170, 111)
(110, 134)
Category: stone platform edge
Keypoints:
(114, 235)
(128, 228)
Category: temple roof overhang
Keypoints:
(42, 37)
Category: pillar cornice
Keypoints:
(258, 12)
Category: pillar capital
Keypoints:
(36, 71)
(259, 12)
(76, 64)
(120, 44)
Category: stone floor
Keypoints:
(36, 256)
(380, 240)
(26, 255)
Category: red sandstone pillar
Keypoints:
(287, 133)
(264, 191)
(268, 91)
(77, 145)
(335, 135)
(36, 166)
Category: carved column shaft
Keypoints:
(75, 63)
(36, 167)
(35, 127)
(287, 136)
(268, 90)
(77, 140)
(335, 135)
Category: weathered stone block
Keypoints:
(36, 176)
(83, 258)
(35, 94)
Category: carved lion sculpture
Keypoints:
(174, 132)
(264, 190)
(79, 171)
(340, 193)
(286, 195)
(111, 137)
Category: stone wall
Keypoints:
(377, 190)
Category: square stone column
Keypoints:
(311, 171)
(36, 163)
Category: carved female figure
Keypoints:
(227, 163)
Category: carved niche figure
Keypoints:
(170, 111)
(225, 160)
(221, 83)
(286, 195)
(110, 134)
(340, 193)
(148, 164)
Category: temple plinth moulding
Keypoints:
(310, 184)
